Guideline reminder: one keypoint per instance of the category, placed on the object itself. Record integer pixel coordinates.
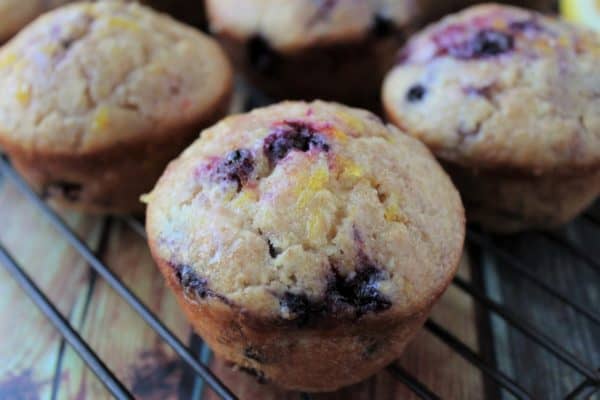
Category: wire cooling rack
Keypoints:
(480, 246)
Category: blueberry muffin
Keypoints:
(509, 100)
(98, 97)
(306, 242)
(306, 49)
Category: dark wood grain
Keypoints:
(543, 374)
(30, 347)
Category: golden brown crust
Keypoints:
(509, 203)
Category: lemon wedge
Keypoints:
(586, 12)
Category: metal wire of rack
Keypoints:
(589, 385)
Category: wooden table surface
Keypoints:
(37, 364)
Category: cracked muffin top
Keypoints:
(89, 75)
(300, 211)
(501, 87)
(293, 25)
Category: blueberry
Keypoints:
(261, 56)
(273, 251)
(528, 25)
(297, 306)
(68, 190)
(382, 26)
(486, 43)
(416, 93)
(237, 166)
(259, 375)
(194, 286)
(360, 292)
(292, 136)
(254, 354)
(345, 296)
(192, 283)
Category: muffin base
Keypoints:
(509, 203)
(347, 73)
(189, 11)
(457, 5)
(322, 358)
(109, 180)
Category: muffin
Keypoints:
(306, 242)
(99, 97)
(509, 100)
(306, 49)
(15, 14)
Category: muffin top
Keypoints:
(499, 87)
(293, 25)
(89, 75)
(300, 211)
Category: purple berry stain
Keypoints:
(236, 167)
(486, 43)
(528, 25)
(292, 136)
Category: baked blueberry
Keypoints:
(485, 43)
(236, 167)
(292, 136)
(416, 93)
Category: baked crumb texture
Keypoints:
(509, 99)
(306, 241)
